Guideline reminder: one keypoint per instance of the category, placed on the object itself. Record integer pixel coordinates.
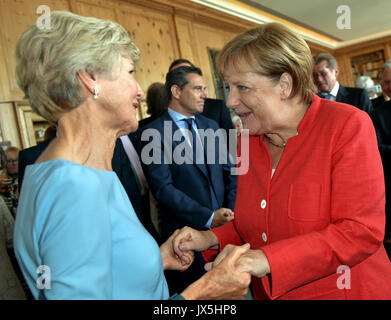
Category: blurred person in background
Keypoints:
(385, 82)
(9, 182)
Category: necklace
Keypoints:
(283, 145)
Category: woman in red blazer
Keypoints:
(312, 204)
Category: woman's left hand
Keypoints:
(253, 261)
(170, 260)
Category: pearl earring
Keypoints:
(96, 91)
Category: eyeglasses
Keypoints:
(12, 160)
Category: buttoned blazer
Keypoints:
(320, 219)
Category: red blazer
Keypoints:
(323, 209)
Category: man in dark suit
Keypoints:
(121, 166)
(190, 193)
(325, 78)
(214, 109)
(385, 82)
(381, 118)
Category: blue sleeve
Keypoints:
(74, 235)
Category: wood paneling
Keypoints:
(207, 37)
(24, 115)
(98, 9)
(15, 17)
(8, 124)
(154, 33)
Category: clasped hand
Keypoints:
(188, 239)
(171, 261)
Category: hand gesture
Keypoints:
(188, 239)
(252, 261)
(222, 216)
(224, 281)
(171, 261)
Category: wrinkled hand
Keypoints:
(222, 216)
(171, 261)
(252, 261)
(225, 281)
(188, 239)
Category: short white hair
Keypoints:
(364, 82)
(47, 60)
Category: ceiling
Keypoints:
(331, 23)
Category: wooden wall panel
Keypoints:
(185, 36)
(98, 9)
(154, 33)
(4, 81)
(345, 76)
(15, 17)
(209, 37)
(24, 116)
(8, 124)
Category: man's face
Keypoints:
(386, 82)
(324, 78)
(192, 97)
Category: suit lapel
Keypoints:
(342, 95)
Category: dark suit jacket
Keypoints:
(356, 97)
(216, 110)
(377, 102)
(182, 190)
(381, 118)
(29, 156)
(121, 166)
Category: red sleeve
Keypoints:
(227, 235)
(357, 219)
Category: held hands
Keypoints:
(252, 261)
(225, 281)
(188, 239)
(222, 216)
(171, 261)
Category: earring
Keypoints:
(96, 91)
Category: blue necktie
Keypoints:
(189, 122)
(203, 166)
(325, 95)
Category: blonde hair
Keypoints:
(47, 60)
(270, 50)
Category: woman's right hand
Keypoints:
(189, 239)
(224, 282)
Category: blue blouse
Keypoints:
(76, 225)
